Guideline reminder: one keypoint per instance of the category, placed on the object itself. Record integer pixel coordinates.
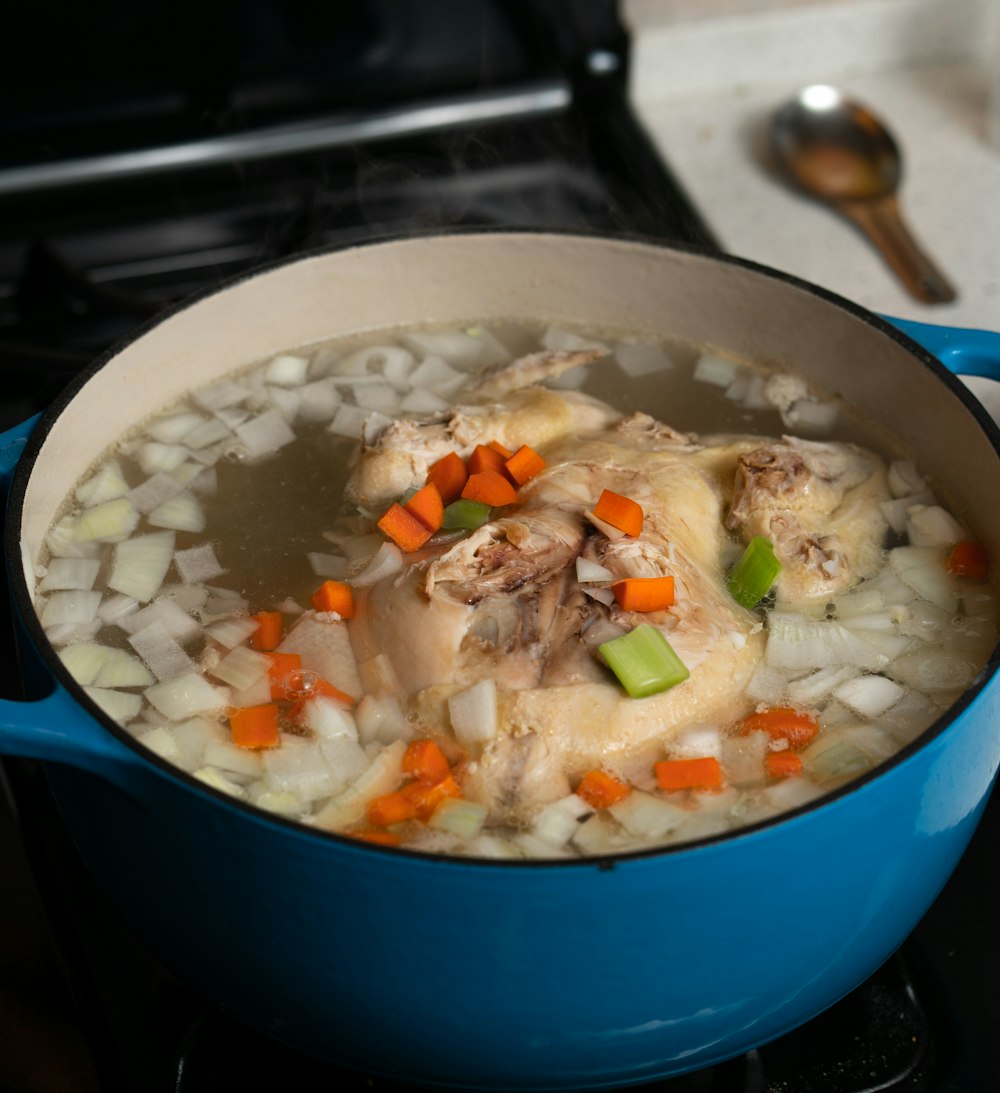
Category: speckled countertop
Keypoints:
(706, 78)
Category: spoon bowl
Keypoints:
(841, 153)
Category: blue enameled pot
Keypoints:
(500, 975)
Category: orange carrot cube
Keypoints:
(427, 506)
(620, 512)
(407, 531)
(490, 487)
(674, 774)
(425, 761)
(334, 596)
(523, 465)
(267, 636)
(255, 726)
(602, 790)
(449, 474)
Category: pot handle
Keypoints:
(964, 352)
(53, 728)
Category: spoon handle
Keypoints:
(880, 219)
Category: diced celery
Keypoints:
(751, 578)
(644, 661)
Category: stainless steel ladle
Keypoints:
(841, 153)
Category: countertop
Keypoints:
(705, 79)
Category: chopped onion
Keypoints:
(863, 600)
(140, 564)
(236, 760)
(934, 670)
(182, 513)
(232, 632)
(70, 608)
(422, 402)
(647, 816)
(223, 602)
(932, 526)
(117, 607)
(174, 619)
(257, 694)
(815, 687)
(217, 780)
(602, 595)
(153, 456)
(70, 574)
(458, 348)
(63, 541)
(587, 571)
(110, 522)
(186, 695)
(378, 397)
(198, 564)
(345, 757)
(380, 719)
(161, 651)
(905, 479)
(922, 568)
(319, 400)
(895, 511)
(797, 642)
(743, 757)
(641, 358)
(329, 719)
(606, 529)
(435, 375)
(173, 428)
(107, 484)
(221, 394)
(387, 560)
(459, 817)
(152, 493)
(286, 370)
(556, 337)
(160, 740)
(264, 434)
(188, 597)
(767, 684)
(120, 706)
(783, 390)
(473, 713)
(869, 695)
(349, 421)
(241, 668)
(372, 360)
(208, 433)
(104, 666)
(696, 743)
(556, 822)
(717, 370)
(383, 776)
(811, 416)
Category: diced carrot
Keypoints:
(335, 596)
(524, 464)
(620, 512)
(425, 761)
(491, 488)
(255, 726)
(703, 773)
(285, 674)
(783, 764)
(449, 474)
(380, 838)
(267, 636)
(602, 790)
(783, 723)
(644, 593)
(485, 458)
(498, 447)
(426, 505)
(391, 808)
(404, 529)
(426, 798)
(969, 559)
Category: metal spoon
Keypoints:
(841, 153)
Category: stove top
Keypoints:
(119, 201)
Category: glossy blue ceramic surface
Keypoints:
(500, 975)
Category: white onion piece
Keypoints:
(186, 695)
(378, 675)
(110, 522)
(117, 607)
(160, 740)
(388, 559)
(555, 337)
(905, 479)
(232, 632)
(934, 670)
(233, 416)
(120, 706)
(186, 473)
(587, 571)
(63, 633)
(161, 652)
(811, 690)
(611, 532)
(63, 541)
(859, 601)
(107, 484)
(192, 737)
(286, 402)
(188, 597)
(646, 816)
(378, 397)
(349, 421)
(264, 434)
(208, 433)
(748, 389)
(880, 621)
(154, 491)
(457, 347)
(241, 668)
(286, 370)
(797, 642)
(220, 395)
(345, 757)
(812, 417)
(380, 720)
(223, 602)
(140, 564)
(372, 360)
(435, 375)
(360, 547)
(327, 565)
(557, 821)
(895, 511)
(329, 719)
(932, 526)
(374, 426)
(206, 483)
(154, 456)
(173, 428)
(181, 513)
(70, 608)
(70, 574)
(473, 713)
(459, 817)
(743, 757)
(104, 666)
(597, 835)
(276, 801)
(869, 696)
(422, 402)
(923, 570)
(217, 780)
(716, 370)
(198, 564)
(791, 793)
(234, 759)
(318, 401)
(383, 776)
(570, 380)
(641, 358)
(257, 694)
(767, 685)
(602, 595)
(697, 743)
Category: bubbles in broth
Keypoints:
(523, 591)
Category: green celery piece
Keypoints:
(751, 578)
(644, 661)
(465, 515)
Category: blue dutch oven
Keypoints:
(496, 974)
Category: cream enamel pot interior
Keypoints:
(500, 975)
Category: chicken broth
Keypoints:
(525, 591)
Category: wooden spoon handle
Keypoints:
(880, 219)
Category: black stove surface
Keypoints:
(534, 131)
